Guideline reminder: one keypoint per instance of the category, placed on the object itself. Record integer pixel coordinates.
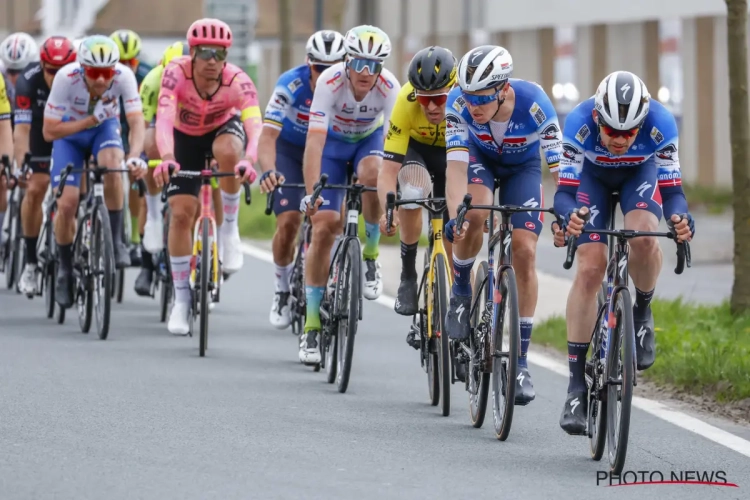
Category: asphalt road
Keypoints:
(140, 415)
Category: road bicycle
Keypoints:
(12, 248)
(494, 343)
(610, 377)
(47, 257)
(427, 331)
(205, 268)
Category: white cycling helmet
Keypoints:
(484, 67)
(622, 101)
(98, 51)
(368, 42)
(326, 46)
(18, 51)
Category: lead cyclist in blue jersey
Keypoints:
(618, 140)
(495, 128)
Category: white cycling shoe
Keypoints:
(309, 350)
(230, 250)
(178, 319)
(153, 235)
(27, 283)
(280, 316)
(373, 279)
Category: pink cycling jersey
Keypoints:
(198, 116)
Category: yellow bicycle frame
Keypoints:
(436, 221)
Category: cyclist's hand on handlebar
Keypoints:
(161, 172)
(309, 209)
(269, 180)
(575, 223)
(137, 166)
(559, 235)
(450, 231)
(684, 227)
(394, 225)
(249, 173)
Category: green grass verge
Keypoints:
(715, 199)
(255, 224)
(700, 350)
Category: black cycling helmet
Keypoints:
(432, 68)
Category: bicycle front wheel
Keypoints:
(346, 308)
(83, 278)
(439, 309)
(504, 352)
(205, 273)
(11, 248)
(479, 375)
(103, 265)
(621, 370)
(50, 270)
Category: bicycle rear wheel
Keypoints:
(439, 309)
(206, 266)
(11, 247)
(505, 362)
(21, 249)
(119, 285)
(50, 270)
(428, 341)
(597, 400)
(83, 277)
(346, 308)
(479, 376)
(621, 370)
(103, 265)
(164, 272)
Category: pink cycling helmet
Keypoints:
(208, 31)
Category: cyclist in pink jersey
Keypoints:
(206, 105)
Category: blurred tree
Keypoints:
(285, 28)
(739, 136)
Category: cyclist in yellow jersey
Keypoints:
(6, 148)
(414, 151)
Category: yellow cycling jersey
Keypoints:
(150, 92)
(409, 121)
(5, 107)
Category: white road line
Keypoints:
(655, 408)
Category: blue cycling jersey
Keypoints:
(657, 139)
(288, 109)
(533, 124)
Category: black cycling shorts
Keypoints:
(39, 164)
(433, 158)
(190, 152)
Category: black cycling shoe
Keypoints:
(135, 255)
(524, 388)
(645, 348)
(64, 288)
(573, 418)
(412, 338)
(143, 283)
(122, 256)
(457, 317)
(406, 298)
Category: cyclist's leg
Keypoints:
(107, 148)
(228, 149)
(594, 193)
(182, 196)
(288, 221)
(368, 160)
(31, 220)
(522, 186)
(150, 221)
(69, 150)
(640, 200)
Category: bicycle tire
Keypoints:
(596, 414)
(165, 297)
(83, 284)
(330, 356)
(165, 280)
(429, 355)
(103, 255)
(503, 417)
(617, 435)
(50, 271)
(205, 271)
(10, 250)
(21, 249)
(120, 285)
(60, 315)
(440, 308)
(478, 402)
(353, 258)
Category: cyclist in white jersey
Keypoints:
(352, 101)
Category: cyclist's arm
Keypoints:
(668, 171)
(396, 144)
(273, 122)
(149, 91)
(54, 112)
(457, 156)
(550, 138)
(22, 115)
(267, 148)
(569, 174)
(6, 129)
(167, 111)
(133, 109)
(247, 102)
(316, 133)
(391, 96)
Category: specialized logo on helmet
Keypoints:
(624, 89)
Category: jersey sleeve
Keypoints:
(394, 88)
(550, 139)
(321, 106)
(171, 81)
(665, 138)
(24, 96)
(150, 92)
(129, 93)
(575, 135)
(57, 102)
(277, 107)
(397, 138)
(247, 103)
(456, 128)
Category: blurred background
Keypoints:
(678, 47)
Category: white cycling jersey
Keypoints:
(335, 111)
(69, 98)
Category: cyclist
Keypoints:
(16, 52)
(280, 151)
(6, 148)
(352, 101)
(617, 140)
(129, 44)
(81, 117)
(495, 129)
(151, 221)
(32, 91)
(415, 148)
(209, 92)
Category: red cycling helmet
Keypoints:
(208, 31)
(57, 50)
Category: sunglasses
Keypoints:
(627, 134)
(426, 99)
(96, 73)
(359, 65)
(14, 72)
(133, 63)
(481, 100)
(51, 70)
(319, 67)
(206, 54)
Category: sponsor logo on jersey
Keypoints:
(395, 129)
(550, 132)
(530, 225)
(657, 136)
(317, 113)
(667, 153)
(583, 133)
(619, 161)
(459, 104)
(335, 79)
(303, 116)
(452, 121)
(386, 82)
(23, 102)
(295, 84)
(553, 158)
(280, 99)
(570, 152)
(537, 113)
(641, 204)
(594, 236)
(514, 142)
(476, 180)
(484, 137)
(348, 110)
